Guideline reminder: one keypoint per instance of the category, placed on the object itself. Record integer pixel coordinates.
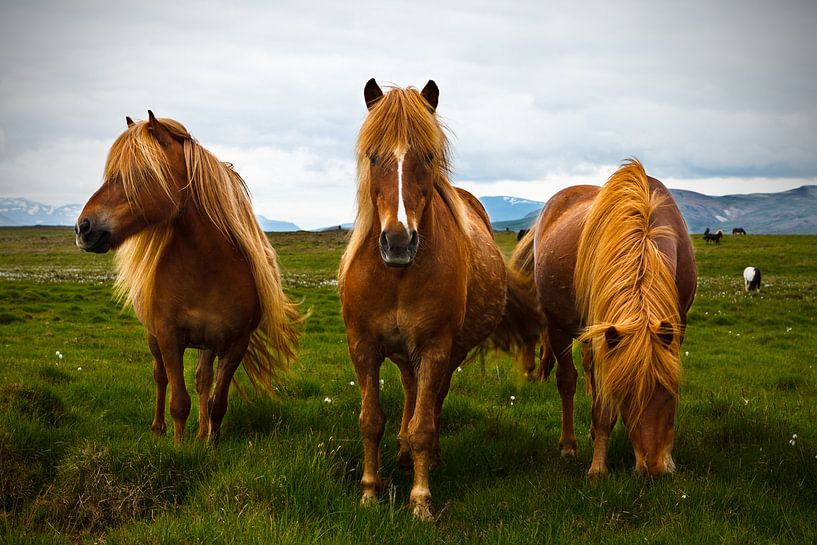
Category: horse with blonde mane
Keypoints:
(422, 281)
(195, 265)
(614, 267)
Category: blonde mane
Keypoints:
(622, 280)
(400, 121)
(218, 192)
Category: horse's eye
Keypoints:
(373, 159)
(430, 158)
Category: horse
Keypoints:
(421, 282)
(195, 266)
(738, 231)
(614, 267)
(709, 237)
(521, 234)
(751, 279)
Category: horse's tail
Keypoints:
(273, 344)
(626, 293)
(523, 321)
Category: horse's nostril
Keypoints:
(83, 226)
(413, 240)
(384, 241)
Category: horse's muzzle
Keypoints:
(91, 237)
(398, 248)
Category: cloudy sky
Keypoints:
(718, 97)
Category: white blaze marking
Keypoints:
(401, 206)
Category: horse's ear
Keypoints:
(159, 131)
(372, 93)
(665, 333)
(128, 120)
(612, 336)
(432, 94)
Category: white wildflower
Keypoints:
(459, 369)
(327, 400)
(79, 368)
(351, 383)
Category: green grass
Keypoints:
(78, 462)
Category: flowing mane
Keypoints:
(622, 280)
(221, 195)
(401, 120)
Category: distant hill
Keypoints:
(502, 208)
(786, 212)
(276, 226)
(23, 212)
(18, 212)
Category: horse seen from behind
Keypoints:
(421, 282)
(614, 267)
(195, 265)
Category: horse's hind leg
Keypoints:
(372, 421)
(409, 380)
(204, 383)
(159, 426)
(423, 430)
(217, 405)
(172, 352)
(566, 374)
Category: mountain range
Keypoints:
(21, 212)
(786, 212)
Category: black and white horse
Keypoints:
(738, 231)
(751, 279)
(710, 237)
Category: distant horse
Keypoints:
(738, 231)
(194, 263)
(614, 267)
(751, 279)
(521, 234)
(421, 282)
(710, 237)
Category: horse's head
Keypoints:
(401, 151)
(144, 181)
(647, 402)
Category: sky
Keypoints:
(716, 97)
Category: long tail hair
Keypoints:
(622, 281)
(523, 320)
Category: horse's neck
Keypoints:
(193, 230)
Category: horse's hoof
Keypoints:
(596, 473)
(421, 509)
(368, 499)
(568, 452)
(158, 429)
(568, 449)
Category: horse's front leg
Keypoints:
(434, 374)
(159, 426)
(172, 352)
(227, 365)
(372, 421)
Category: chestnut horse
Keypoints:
(421, 282)
(614, 267)
(194, 264)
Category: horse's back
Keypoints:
(556, 235)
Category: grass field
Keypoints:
(78, 462)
